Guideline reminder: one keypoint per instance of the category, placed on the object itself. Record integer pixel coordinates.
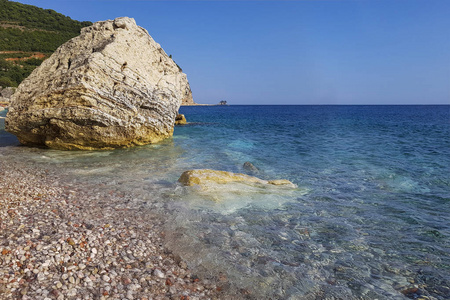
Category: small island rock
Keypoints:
(206, 176)
(180, 119)
(112, 86)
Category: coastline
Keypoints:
(60, 241)
(197, 104)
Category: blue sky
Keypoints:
(296, 52)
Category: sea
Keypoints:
(369, 219)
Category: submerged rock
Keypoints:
(280, 182)
(206, 176)
(111, 87)
(180, 119)
(249, 167)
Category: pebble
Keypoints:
(130, 295)
(158, 273)
(126, 280)
(72, 292)
(40, 276)
(70, 241)
(172, 290)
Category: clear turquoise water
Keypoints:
(370, 219)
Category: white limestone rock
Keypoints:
(112, 86)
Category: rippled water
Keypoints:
(370, 219)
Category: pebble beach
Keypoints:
(61, 242)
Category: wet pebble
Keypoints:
(69, 241)
(158, 273)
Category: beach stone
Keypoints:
(40, 276)
(126, 280)
(158, 273)
(173, 290)
(206, 176)
(111, 87)
(130, 295)
(72, 292)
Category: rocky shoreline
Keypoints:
(63, 242)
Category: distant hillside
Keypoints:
(28, 35)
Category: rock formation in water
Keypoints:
(206, 176)
(180, 120)
(112, 86)
(250, 168)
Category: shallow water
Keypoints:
(370, 218)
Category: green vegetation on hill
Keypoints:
(13, 39)
(13, 72)
(34, 17)
(25, 29)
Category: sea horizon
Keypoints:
(199, 104)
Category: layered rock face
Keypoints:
(111, 87)
(188, 100)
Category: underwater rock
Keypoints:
(112, 86)
(180, 119)
(280, 182)
(249, 167)
(206, 176)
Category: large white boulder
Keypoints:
(112, 86)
